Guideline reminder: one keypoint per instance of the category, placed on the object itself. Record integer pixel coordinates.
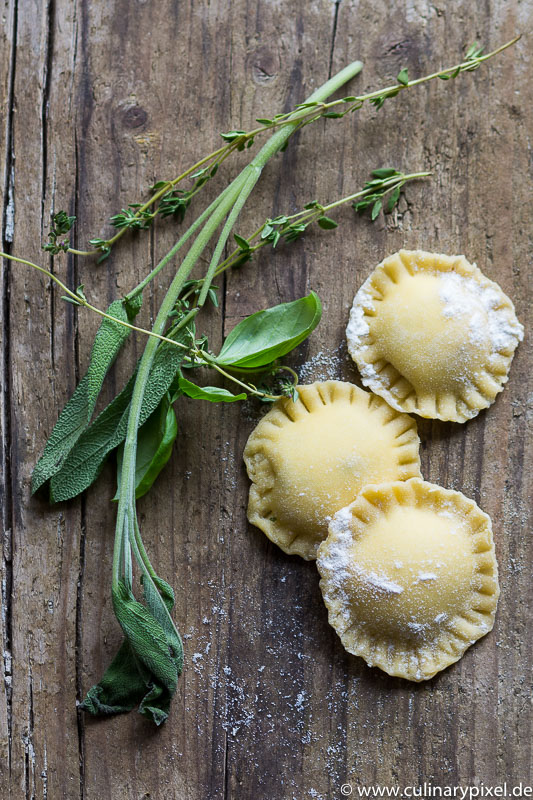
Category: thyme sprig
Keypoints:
(166, 200)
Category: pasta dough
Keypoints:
(432, 335)
(409, 577)
(309, 458)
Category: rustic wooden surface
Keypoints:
(99, 99)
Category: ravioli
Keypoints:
(409, 577)
(432, 335)
(309, 458)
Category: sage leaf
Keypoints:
(120, 689)
(159, 598)
(212, 393)
(108, 431)
(77, 413)
(69, 427)
(154, 447)
(148, 639)
(267, 335)
(107, 343)
(128, 682)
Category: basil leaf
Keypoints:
(267, 335)
(212, 393)
(154, 447)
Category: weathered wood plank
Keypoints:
(7, 51)
(41, 373)
(108, 98)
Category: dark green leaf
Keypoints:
(294, 231)
(67, 430)
(108, 431)
(243, 243)
(230, 136)
(402, 77)
(267, 335)
(62, 223)
(155, 440)
(212, 295)
(212, 393)
(133, 305)
(159, 185)
(444, 77)
(81, 293)
(393, 199)
(327, 223)
(145, 670)
(107, 343)
(376, 208)
(332, 115)
(120, 689)
(384, 172)
(241, 259)
(264, 121)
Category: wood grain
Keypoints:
(97, 101)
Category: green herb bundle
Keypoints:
(140, 424)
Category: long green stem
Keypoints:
(179, 244)
(127, 485)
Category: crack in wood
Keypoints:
(45, 100)
(333, 35)
(29, 749)
(6, 487)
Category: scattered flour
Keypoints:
(482, 303)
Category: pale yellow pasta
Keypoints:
(308, 458)
(432, 335)
(409, 577)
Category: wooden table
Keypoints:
(100, 99)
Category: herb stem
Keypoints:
(391, 183)
(240, 188)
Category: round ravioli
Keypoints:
(432, 335)
(409, 577)
(308, 458)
